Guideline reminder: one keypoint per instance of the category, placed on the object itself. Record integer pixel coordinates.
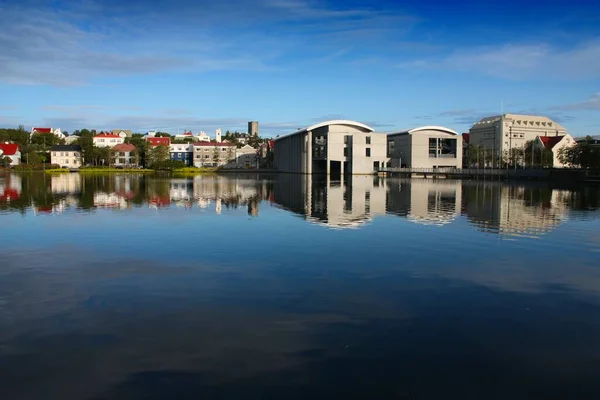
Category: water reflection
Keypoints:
(517, 209)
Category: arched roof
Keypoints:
(332, 122)
(427, 128)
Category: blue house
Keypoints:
(182, 152)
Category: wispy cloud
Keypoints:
(591, 104)
(521, 61)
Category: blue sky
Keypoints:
(201, 65)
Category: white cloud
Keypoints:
(591, 104)
(522, 61)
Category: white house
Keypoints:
(107, 140)
(245, 157)
(122, 132)
(10, 150)
(66, 156)
(203, 137)
(555, 144)
(57, 132)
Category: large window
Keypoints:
(433, 147)
(368, 139)
(390, 148)
(368, 152)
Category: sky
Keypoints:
(175, 65)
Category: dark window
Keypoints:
(347, 139)
(345, 152)
(368, 139)
(433, 147)
(368, 152)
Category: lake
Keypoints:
(295, 287)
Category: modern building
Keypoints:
(425, 147)
(332, 147)
(501, 133)
(253, 128)
(68, 156)
(124, 155)
(10, 150)
(182, 152)
(207, 154)
(554, 144)
(107, 140)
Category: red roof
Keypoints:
(9, 194)
(188, 134)
(466, 137)
(107, 135)
(550, 141)
(212, 144)
(9, 149)
(42, 130)
(156, 141)
(124, 147)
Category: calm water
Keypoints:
(134, 287)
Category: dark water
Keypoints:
(133, 287)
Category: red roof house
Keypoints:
(551, 141)
(157, 141)
(41, 130)
(9, 149)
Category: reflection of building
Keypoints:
(331, 147)
(10, 188)
(425, 147)
(109, 200)
(514, 210)
(66, 183)
(425, 201)
(339, 204)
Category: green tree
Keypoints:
(583, 155)
(6, 161)
(157, 154)
(216, 155)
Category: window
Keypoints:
(67, 161)
(347, 139)
(368, 139)
(345, 152)
(368, 152)
(433, 147)
(62, 154)
(390, 148)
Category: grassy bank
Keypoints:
(190, 171)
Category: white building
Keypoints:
(56, 132)
(425, 147)
(554, 144)
(245, 157)
(68, 156)
(333, 148)
(203, 137)
(107, 140)
(501, 133)
(10, 150)
(208, 154)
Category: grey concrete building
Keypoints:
(425, 147)
(253, 128)
(333, 148)
(501, 133)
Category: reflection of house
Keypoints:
(10, 188)
(208, 154)
(331, 147)
(109, 200)
(66, 156)
(555, 144)
(181, 190)
(425, 201)
(10, 150)
(509, 131)
(338, 204)
(514, 210)
(182, 152)
(65, 183)
(123, 155)
(425, 147)
(107, 140)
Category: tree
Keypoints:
(6, 161)
(157, 154)
(230, 154)
(216, 155)
(583, 155)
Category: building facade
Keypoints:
(253, 128)
(499, 134)
(182, 152)
(158, 141)
(333, 148)
(245, 157)
(124, 155)
(425, 147)
(124, 133)
(107, 140)
(10, 151)
(68, 156)
(207, 154)
(554, 144)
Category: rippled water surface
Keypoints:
(135, 287)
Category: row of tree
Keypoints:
(528, 157)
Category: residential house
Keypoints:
(554, 144)
(203, 137)
(124, 155)
(57, 132)
(245, 157)
(10, 150)
(208, 154)
(107, 140)
(124, 133)
(68, 156)
(157, 141)
(182, 152)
